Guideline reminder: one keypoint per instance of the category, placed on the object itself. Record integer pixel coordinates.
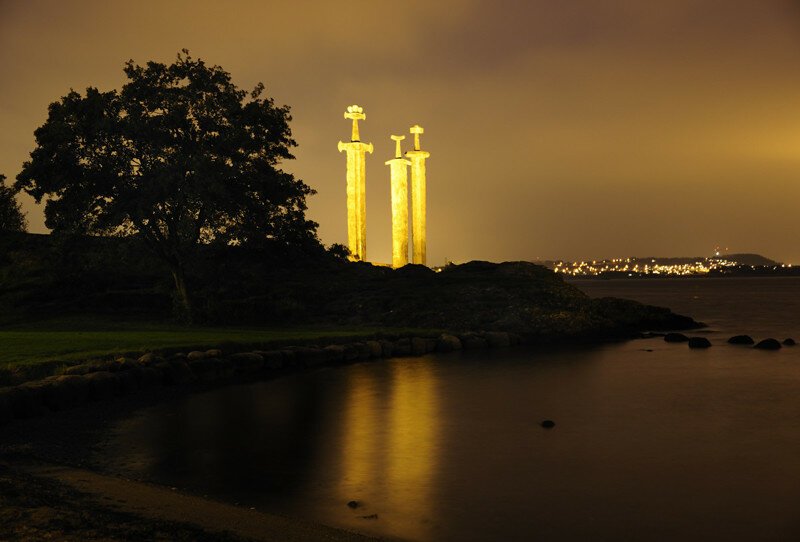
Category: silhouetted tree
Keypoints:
(180, 156)
(11, 216)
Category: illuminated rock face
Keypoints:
(417, 158)
(356, 186)
(399, 172)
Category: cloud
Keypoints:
(557, 129)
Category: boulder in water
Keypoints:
(472, 340)
(175, 371)
(375, 349)
(247, 362)
(149, 359)
(675, 338)
(387, 348)
(497, 339)
(334, 352)
(789, 342)
(448, 343)
(402, 347)
(548, 424)
(699, 342)
(103, 385)
(274, 359)
(419, 346)
(768, 344)
(741, 339)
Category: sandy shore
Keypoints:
(53, 487)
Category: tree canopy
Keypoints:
(179, 156)
(11, 216)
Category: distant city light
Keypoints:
(631, 267)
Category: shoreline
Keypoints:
(57, 458)
(48, 451)
(75, 438)
(124, 509)
(54, 453)
(65, 440)
(29, 391)
(584, 278)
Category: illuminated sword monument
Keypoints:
(399, 171)
(418, 188)
(356, 186)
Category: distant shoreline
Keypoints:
(788, 273)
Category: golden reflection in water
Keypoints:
(391, 444)
(412, 430)
(361, 425)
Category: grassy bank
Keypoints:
(73, 340)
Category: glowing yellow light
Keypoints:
(356, 186)
(399, 187)
(418, 198)
(360, 443)
(413, 447)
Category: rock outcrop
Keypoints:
(768, 344)
(699, 342)
(676, 338)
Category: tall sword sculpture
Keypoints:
(399, 171)
(356, 186)
(418, 188)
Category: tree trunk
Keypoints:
(183, 303)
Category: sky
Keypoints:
(574, 129)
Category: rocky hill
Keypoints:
(43, 277)
(513, 296)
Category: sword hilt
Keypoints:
(398, 153)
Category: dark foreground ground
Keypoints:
(40, 501)
(53, 486)
(38, 506)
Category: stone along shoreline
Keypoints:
(104, 380)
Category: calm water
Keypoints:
(668, 444)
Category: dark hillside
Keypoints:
(750, 259)
(44, 277)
